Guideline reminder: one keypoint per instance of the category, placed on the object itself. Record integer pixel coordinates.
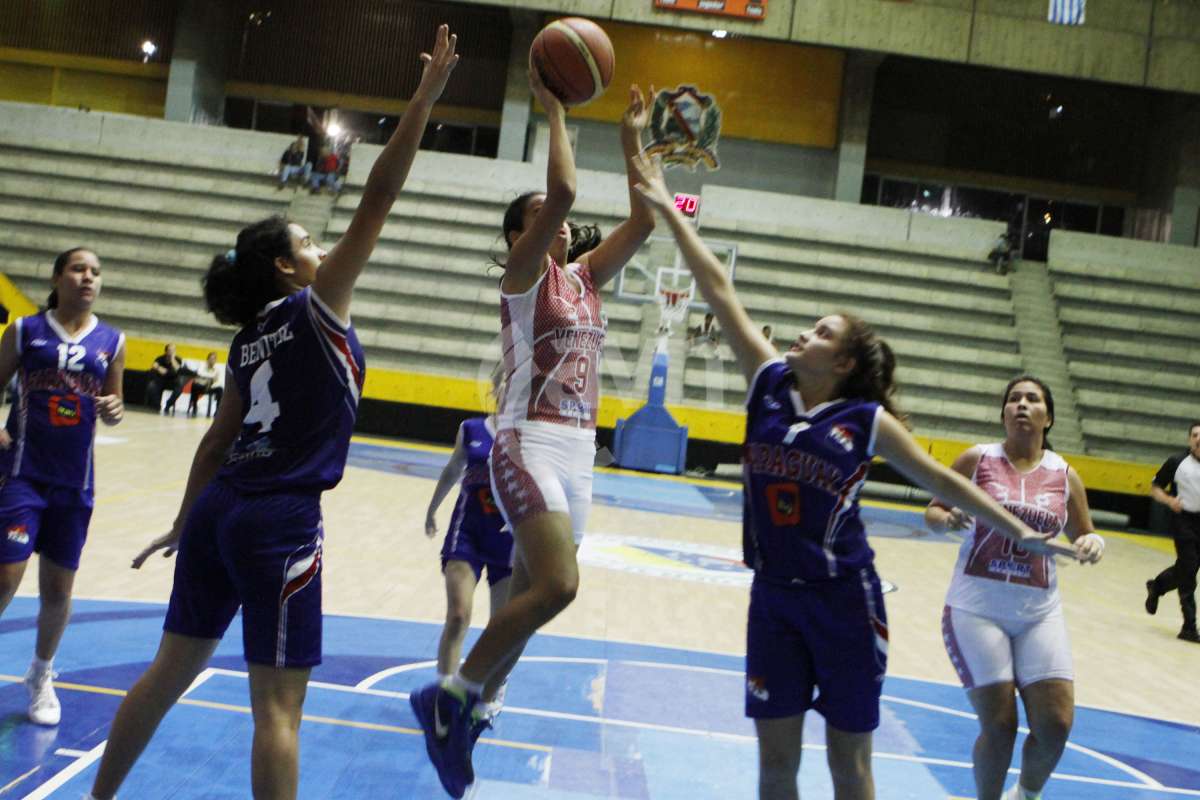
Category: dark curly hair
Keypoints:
(240, 282)
(584, 238)
(60, 264)
(874, 375)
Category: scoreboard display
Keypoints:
(689, 204)
(743, 9)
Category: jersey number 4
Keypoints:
(263, 408)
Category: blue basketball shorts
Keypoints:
(260, 552)
(479, 539)
(827, 638)
(39, 517)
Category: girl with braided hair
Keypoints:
(815, 418)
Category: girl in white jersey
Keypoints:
(1003, 624)
(553, 334)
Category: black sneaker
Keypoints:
(1189, 635)
(1151, 598)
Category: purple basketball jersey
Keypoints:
(53, 421)
(477, 509)
(299, 371)
(803, 469)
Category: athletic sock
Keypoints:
(40, 667)
(459, 686)
(1025, 794)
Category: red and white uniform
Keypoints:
(1003, 617)
(552, 337)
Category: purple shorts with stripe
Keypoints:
(260, 552)
(49, 520)
(828, 637)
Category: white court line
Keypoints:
(86, 759)
(74, 768)
(365, 687)
(1087, 751)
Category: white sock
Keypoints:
(462, 685)
(39, 667)
(1026, 794)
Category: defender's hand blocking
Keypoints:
(439, 65)
(637, 113)
(168, 543)
(650, 183)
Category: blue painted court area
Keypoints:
(585, 718)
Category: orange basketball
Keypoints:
(574, 58)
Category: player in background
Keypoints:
(69, 368)
(552, 335)
(249, 529)
(1003, 624)
(477, 538)
(814, 420)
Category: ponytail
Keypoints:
(584, 239)
(52, 300)
(241, 281)
(874, 374)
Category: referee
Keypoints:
(1177, 486)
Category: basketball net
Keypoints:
(672, 309)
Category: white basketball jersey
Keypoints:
(552, 337)
(994, 577)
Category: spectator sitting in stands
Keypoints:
(210, 380)
(164, 374)
(707, 332)
(293, 163)
(327, 167)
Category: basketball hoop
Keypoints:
(672, 307)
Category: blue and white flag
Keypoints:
(1067, 12)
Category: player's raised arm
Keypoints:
(527, 253)
(746, 339)
(335, 280)
(612, 254)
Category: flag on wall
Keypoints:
(1067, 12)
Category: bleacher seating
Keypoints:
(429, 300)
(1130, 317)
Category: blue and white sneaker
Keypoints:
(446, 722)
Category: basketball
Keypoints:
(574, 58)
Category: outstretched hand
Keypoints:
(439, 65)
(637, 113)
(649, 183)
(1041, 544)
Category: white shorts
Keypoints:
(986, 651)
(541, 467)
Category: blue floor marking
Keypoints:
(621, 720)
